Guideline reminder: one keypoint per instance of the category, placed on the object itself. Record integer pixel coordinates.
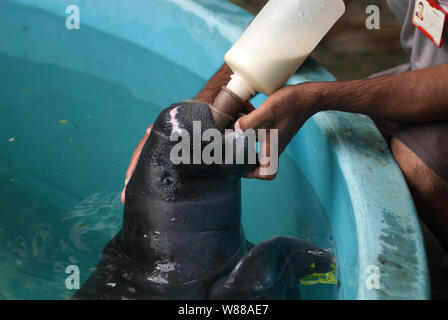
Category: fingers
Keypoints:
(254, 120)
(267, 156)
(256, 174)
(122, 197)
(261, 118)
(134, 161)
(248, 107)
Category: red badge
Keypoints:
(430, 18)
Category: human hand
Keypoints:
(134, 160)
(285, 110)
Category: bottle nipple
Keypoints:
(225, 108)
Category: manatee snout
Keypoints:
(192, 122)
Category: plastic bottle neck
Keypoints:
(230, 101)
(240, 87)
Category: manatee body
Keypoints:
(182, 236)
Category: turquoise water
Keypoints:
(66, 138)
(63, 156)
(65, 146)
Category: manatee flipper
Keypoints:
(271, 269)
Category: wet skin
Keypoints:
(182, 236)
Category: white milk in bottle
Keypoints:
(272, 48)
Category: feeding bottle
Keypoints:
(271, 49)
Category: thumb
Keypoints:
(254, 120)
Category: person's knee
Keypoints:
(424, 183)
(428, 190)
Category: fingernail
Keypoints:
(238, 128)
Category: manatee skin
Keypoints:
(182, 236)
(272, 269)
(181, 225)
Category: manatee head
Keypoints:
(185, 154)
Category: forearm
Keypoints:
(413, 96)
(213, 86)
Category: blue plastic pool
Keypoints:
(74, 103)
